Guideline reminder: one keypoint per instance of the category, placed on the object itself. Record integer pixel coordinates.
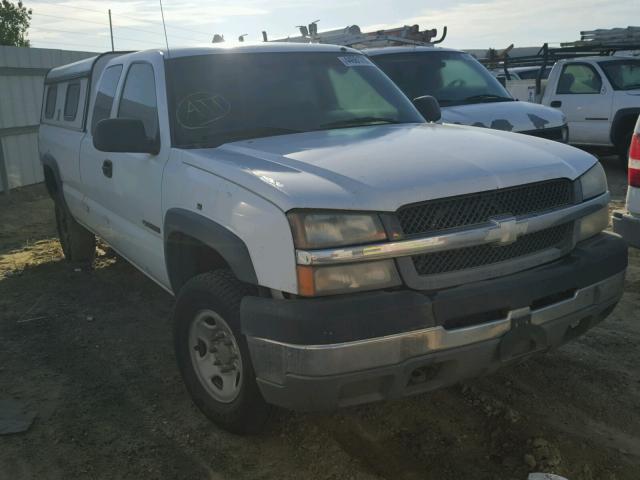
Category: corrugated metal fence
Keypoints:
(22, 72)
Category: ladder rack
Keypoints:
(549, 55)
(352, 36)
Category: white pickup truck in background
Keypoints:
(599, 95)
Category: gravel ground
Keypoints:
(90, 353)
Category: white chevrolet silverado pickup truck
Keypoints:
(326, 245)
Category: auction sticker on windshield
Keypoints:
(356, 61)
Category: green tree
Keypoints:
(14, 23)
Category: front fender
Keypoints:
(219, 238)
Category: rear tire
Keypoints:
(212, 353)
(78, 243)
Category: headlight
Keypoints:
(313, 230)
(593, 224)
(336, 279)
(326, 229)
(594, 182)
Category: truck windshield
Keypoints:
(623, 74)
(453, 78)
(226, 97)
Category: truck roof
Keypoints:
(265, 47)
(372, 52)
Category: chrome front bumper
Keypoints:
(275, 360)
(313, 377)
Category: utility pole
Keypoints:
(111, 30)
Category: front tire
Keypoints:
(212, 354)
(78, 243)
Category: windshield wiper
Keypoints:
(487, 97)
(359, 122)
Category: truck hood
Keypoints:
(509, 116)
(384, 167)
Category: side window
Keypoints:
(71, 101)
(105, 94)
(579, 78)
(138, 98)
(50, 104)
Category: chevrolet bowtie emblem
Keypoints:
(507, 230)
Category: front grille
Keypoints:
(478, 208)
(548, 133)
(480, 255)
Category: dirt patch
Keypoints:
(91, 353)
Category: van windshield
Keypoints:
(226, 97)
(453, 78)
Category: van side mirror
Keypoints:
(428, 107)
(124, 135)
(503, 81)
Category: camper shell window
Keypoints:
(71, 101)
(50, 104)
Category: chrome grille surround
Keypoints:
(558, 237)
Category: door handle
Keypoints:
(107, 168)
(556, 104)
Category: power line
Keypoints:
(66, 44)
(105, 24)
(118, 37)
(116, 14)
(154, 33)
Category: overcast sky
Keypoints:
(84, 25)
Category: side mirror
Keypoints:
(124, 135)
(503, 81)
(428, 107)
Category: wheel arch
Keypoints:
(52, 178)
(623, 123)
(194, 244)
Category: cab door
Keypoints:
(95, 173)
(134, 203)
(584, 95)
